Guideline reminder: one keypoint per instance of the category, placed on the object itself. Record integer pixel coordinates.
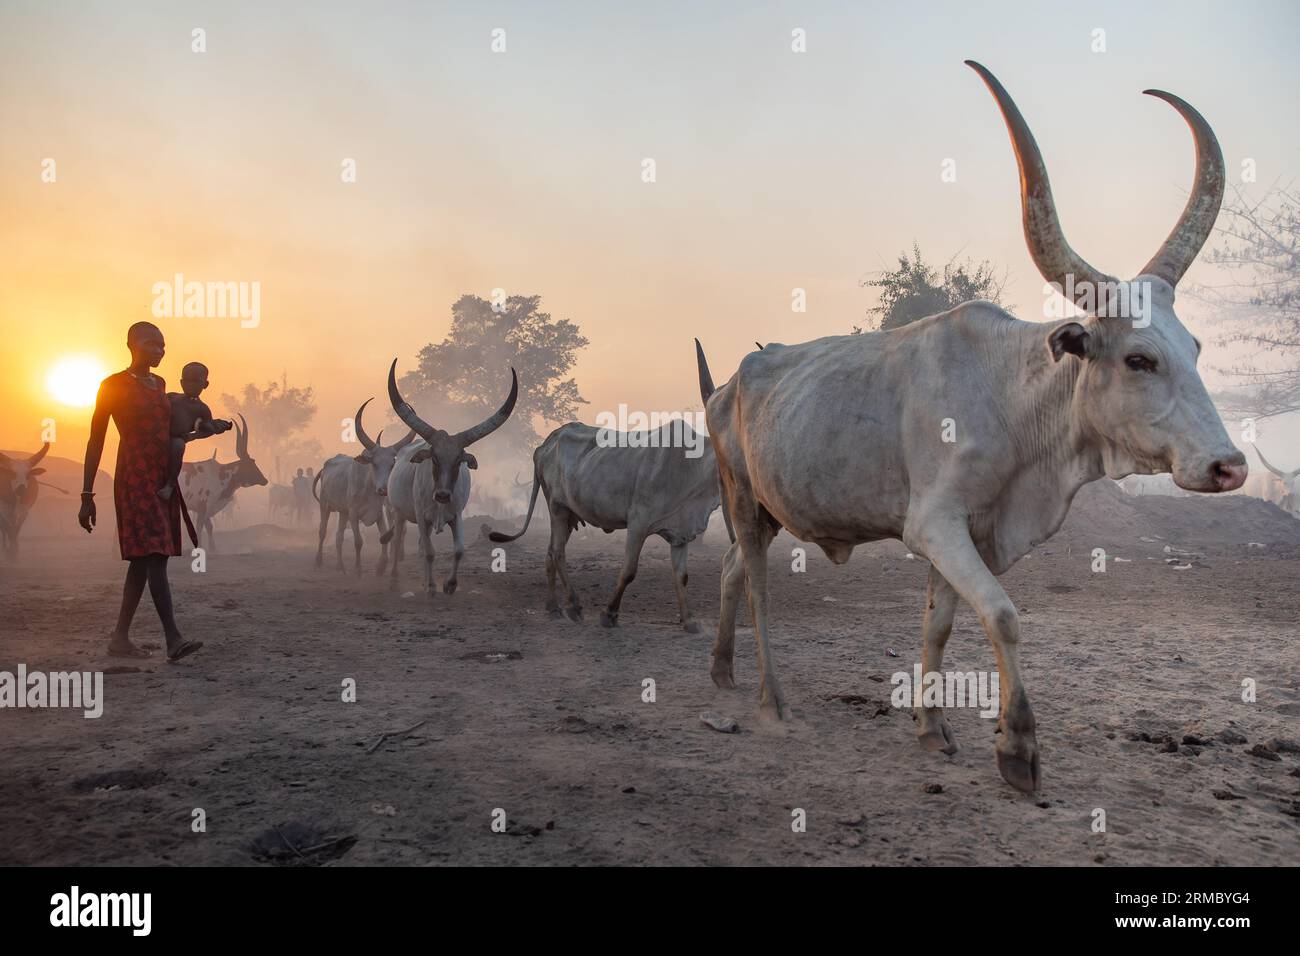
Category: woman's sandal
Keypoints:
(185, 650)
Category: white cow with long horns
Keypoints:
(18, 491)
(208, 487)
(966, 436)
(435, 497)
(1290, 482)
(356, 487)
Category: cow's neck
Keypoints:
(228, 485)
(1056, 453)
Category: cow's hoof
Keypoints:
(721, 674)
(1021, 771)
(575, 614)
(941, 740)
(556, 614)
(775, 713)
(608, 620)
(449, 587)
(691, 627)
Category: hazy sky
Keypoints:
(522, 171)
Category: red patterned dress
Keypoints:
(146, 524)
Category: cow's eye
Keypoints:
(1140, 363)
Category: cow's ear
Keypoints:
(36, 471)
(1070, 337)
(471, 461)
(422, 455)
(363, 458)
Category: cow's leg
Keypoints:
(457, 552)
(754, 533)
(324, 528)
(338, 539)
(631, 558)
(383, 545)
(733, 582)
(425, 529)
(561, 527)
(940, 604)
(207, 526)
(399, 532)
(688, 622)
(356, 542)
(950, 549)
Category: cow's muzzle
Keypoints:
(1229, 474)
(442, 497)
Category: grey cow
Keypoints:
(608, 483)
(357, 489)
(841, 440)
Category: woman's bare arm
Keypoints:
(94, 452)
(95, 446)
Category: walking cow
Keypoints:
(435, 496)
(842, 440)
(606, 481)
(356, 487)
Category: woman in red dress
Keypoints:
(148, 527)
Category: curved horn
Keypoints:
(486, 427)
(241, 438)
(1197, 221)
(1047, 246)
(360, 430)
(39, 455)
(410, 437)
(1284, 475)
(404, 411)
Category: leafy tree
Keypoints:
(915, 290)
(275, 414)
(463, 379)
(1260, 248)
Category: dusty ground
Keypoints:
(253, 730)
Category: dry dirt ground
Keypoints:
(545, 719)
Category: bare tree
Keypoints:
(1261, 249)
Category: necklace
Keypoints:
(146, 379)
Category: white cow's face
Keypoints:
(19, 477)
(1142, 397)
(444, 454)
(381, 460)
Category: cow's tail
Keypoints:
(313, 485)
(499, 537)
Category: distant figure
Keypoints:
(148, 531)
(191, 420)
(301, 495)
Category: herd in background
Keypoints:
(837, 441)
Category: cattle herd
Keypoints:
(965, 435)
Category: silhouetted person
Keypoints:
(148, 530)
(191, 420)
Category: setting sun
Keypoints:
(75, 380)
